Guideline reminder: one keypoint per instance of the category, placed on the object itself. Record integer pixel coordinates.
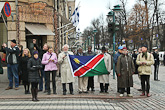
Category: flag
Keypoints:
(87, 65)
(75, 17)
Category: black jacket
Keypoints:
(156, 58)
(34, 67)
(12, 55)
(23, 67)
(41, 51)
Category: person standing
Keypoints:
(120, 49)
(90, 79)
(145, 60)
(156, 64)
(23, 69)
(19, 57)
(66, 74)
(12, 64)
(50, 60)
(125, 70)
(34, 66)
(134, 57)
(82, 81)
(41, 52)
(104, 79)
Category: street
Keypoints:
(13, 99)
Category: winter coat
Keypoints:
(145, 69)
(12, 55)
(134, 57)
(23, 67)
(49, 65)
(34, 67)
(125, 67)
(156, 58)
(66, 74)
(116, 57)
(105, 78)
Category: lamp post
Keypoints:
(94, 31)
(111, 28)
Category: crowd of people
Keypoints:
(37, 64)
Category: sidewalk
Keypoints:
(19, 94)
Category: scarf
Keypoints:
(144, 54)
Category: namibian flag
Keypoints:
(87, 65)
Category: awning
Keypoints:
(1, 6)
(38, 29)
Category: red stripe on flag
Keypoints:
(90, 65)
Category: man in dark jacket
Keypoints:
(90, 79)
(134, 57)
(12, 64)
(156, 64)
(41, 53)
(120, 48)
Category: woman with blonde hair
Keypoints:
(23, 69)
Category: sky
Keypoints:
(91, 9)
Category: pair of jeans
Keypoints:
(41, 80)
(12, 70)
(53, 80)
(145, 78)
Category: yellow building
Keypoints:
(36, 19)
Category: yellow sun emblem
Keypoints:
(77, 61)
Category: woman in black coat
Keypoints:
(23, 69)
(34, 66)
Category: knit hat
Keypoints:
(35, 52)
(14, 41)
(145, 46)
(120, 47)
(125, 48)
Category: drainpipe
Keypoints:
(17, 21)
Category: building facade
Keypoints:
(36, 19)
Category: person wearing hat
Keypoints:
(12, 64)
(145, 60)
(156, 64)
(120, 50)
(34, 67)
(104, 79)
(125, 70)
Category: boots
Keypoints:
(36, 93)
(101, 88)
(106, 88)
(64, 88)
(71, 88)
(33, 94)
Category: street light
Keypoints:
(111, 28)
(94, 31)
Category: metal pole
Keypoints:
(94, 41)
(114, 47)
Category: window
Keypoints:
(70, 12)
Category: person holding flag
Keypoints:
(90, 79)
(66, 74)
(104, 79)
(82, 81)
